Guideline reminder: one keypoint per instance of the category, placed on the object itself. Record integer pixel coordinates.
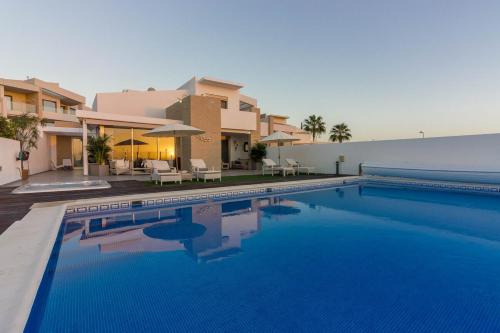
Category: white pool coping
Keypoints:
(25, 247)
(83, 185)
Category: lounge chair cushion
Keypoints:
(198, 164)
(160, 165)
(121, 164)
(269, 162)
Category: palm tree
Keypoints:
(315, 125)
(340, 133)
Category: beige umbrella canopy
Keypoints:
(279, 137)
(175, 131)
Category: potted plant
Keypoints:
(257, 153)
(99, 149)
(25, 128)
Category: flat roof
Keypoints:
(265, 115)
(220, 83)
(49, 88)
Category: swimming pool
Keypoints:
(360, 258)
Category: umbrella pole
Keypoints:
(279, 154)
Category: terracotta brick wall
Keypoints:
(204, 113)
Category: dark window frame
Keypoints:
(224, 104)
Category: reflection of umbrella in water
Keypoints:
(280, 210)
(175, 231)
(129, 143)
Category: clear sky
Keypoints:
(387, 68)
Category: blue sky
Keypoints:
(387, 68)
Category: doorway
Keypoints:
(225, 149)
(77, 152)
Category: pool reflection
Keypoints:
(206, 232)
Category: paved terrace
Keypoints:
(13, 207)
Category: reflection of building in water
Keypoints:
(275, 207)
(224, 227)
(227, 225)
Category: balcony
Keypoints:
(20, 107)
(238, 120)
(60, 111)
(60, 114)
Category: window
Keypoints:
(8, 102)
(49, 106)
(223, 104)
(72, 111)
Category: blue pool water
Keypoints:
(353, 259)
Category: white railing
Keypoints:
(20, 107)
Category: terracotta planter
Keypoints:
(25, 173)
(98, 170)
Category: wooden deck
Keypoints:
(14, 206)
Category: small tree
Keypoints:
(99, 148)
(340, 133)
(6, 130)
(258, 152)
(315, 125)
(26, 130)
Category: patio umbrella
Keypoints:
(175, 131)
(279, 137)
(129, 143)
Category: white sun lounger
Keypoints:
(200, 170)
(164, 173)
(296, 165)
(269, 165)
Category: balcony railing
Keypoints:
(20, 107)
(238, 120)
(60, 110)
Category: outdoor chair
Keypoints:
(119, 167)
(296, 165)
(67, 163)
(164, 173)
(200, 170)
(269, 165)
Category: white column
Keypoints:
(3, 111)
(132, 147)
(85, 156)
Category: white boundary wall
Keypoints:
(39, 160)
(9, 166)
(459, 153)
